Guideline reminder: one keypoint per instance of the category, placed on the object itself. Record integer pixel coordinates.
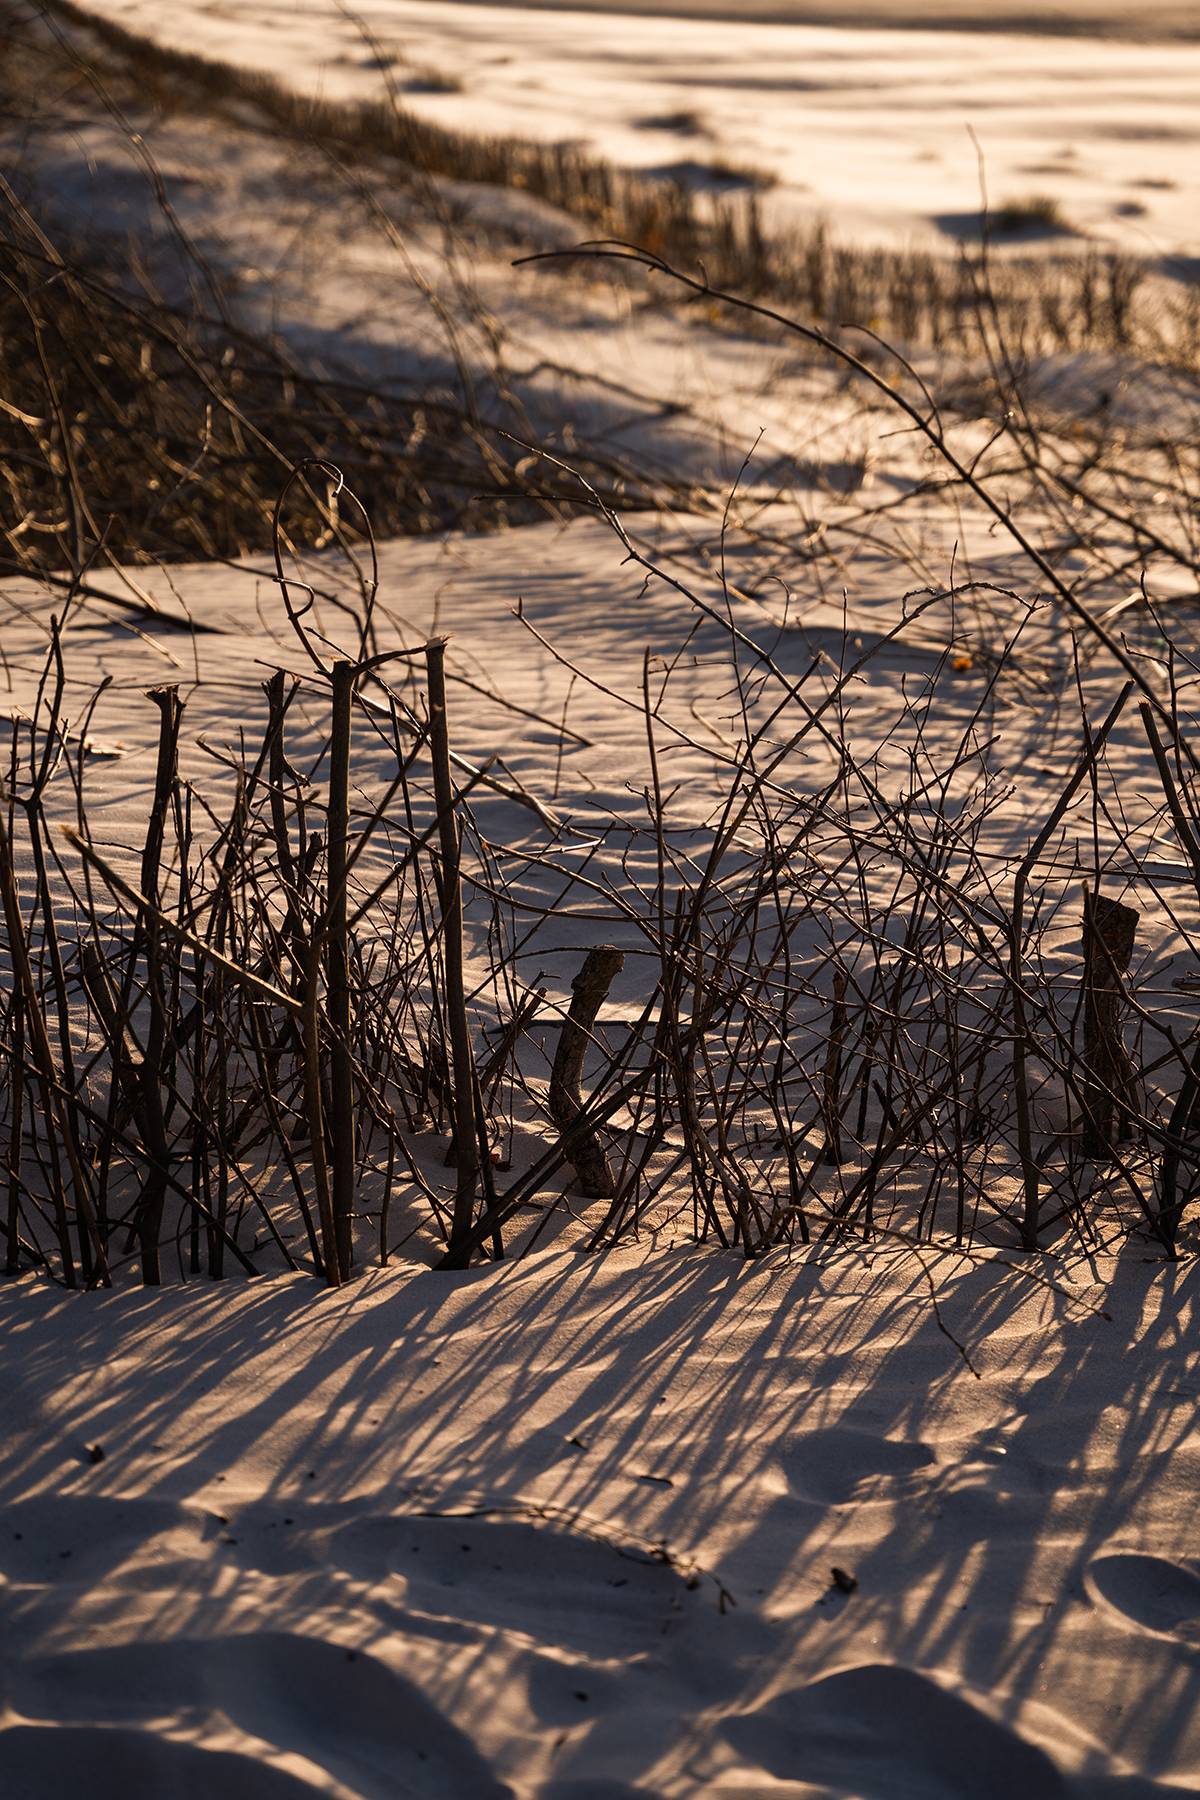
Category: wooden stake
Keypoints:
(314, 1110)
(337, 971)
(831, 1152)
(463, 1063)
(1108, 934)
(583, 1149)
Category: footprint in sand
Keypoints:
(1151, 1592)
(882, 1732)
(365, 1724)
(69, 1539)
(597, 1788)
(514, 1574)
(44, 1762)
(841, 1464)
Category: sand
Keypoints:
(567, 1533)
(567, 1529)
(1166, 20)
(869, 129)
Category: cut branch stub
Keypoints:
(1108, 933)
(583, 1148)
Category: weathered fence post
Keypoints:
(466, 1146)
(1108, 934)
(341, 1091)
(588, 993)
(831, 1105)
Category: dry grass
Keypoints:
(140, 429)
(848, 993)
(133, 430)
(1038, 211)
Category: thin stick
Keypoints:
(459, 1250)
(341, 1094)
(831, 1151)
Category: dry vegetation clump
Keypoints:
(857, 1021)
(138, 430)
(1023, 211)
(207, 1036)
(151, 421)
(237, 1043)
(855, 1026)
(425, 80)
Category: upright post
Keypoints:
(337, 971)
(463, 1067)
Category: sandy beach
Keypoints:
(1165, 20)
(780, 1381)
(882, 133)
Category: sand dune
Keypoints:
(569, 1535)
(566, 1529)
(659, 1524)
(1161, 20)
(870, 129)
